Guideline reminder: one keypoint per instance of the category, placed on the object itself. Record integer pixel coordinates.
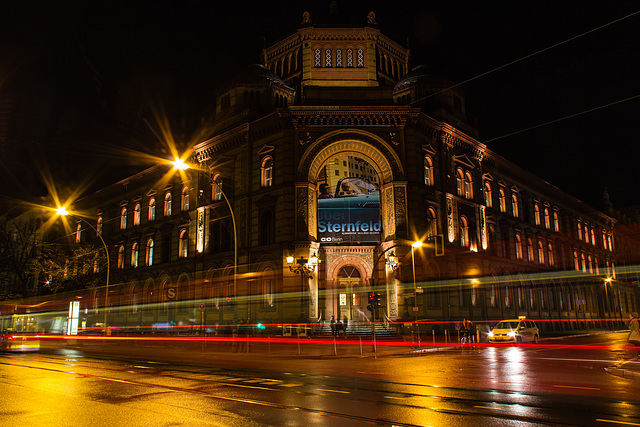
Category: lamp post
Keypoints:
(179, 164)
(62, 211)
(304, 268)
(415, 245)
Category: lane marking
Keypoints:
(617, 422)
(251, 386)
(394, 397)
(579, 387)
(333, 391)
(290, 385)
(491, 407)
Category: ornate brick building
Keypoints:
(333, 107)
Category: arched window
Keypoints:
(604, 240)
(590, 264)
(514, 205)
(99, 226)
(428, 171)
(151, 216)
(266, 172)
(586, 233)
(432, 223)
(503, 200)
(338, 57)
(488, 199)
(459, 182)
(547, 219)
(121, 257)
(579, 230)
(327, 58)
(349, 58)
(518, 246)
(317, 58)
(576, 261)
(268, 289)
(78, 233)
(123, 219)
(149, 257)
(183, 244)
(360, 59)
(556, 222)
(464, 231)
(184, 202)
(540, 253)
(584, 263)
(530, 251)
(215, 187)
(167, 204)
(136, 214)
(468, 185)
(536, 214)
(593, 236)
(134, 254)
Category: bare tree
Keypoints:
(19, 240)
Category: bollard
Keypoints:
(433, 333)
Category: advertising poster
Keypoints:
(350, 213)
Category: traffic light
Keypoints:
(371, 305)
(376, 299)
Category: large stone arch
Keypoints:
(358, 143)
(373, 149)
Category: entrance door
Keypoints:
(352, 298)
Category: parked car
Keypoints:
(518, 331)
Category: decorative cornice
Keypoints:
(341, 117)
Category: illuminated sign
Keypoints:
(351, 215)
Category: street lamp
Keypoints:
(179, 164)
(62, 211)
(415, 245)
(303, 267)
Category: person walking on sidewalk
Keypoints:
(333, 326)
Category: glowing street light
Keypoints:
(62, 211)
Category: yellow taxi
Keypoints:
(517, 331)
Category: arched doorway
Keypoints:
(352, 301)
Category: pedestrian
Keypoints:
(634, 331)
(333, 326)
(339, 328)
(345, 323)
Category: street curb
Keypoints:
(624, 373)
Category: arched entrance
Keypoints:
(352, 295)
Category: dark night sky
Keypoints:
(83, 75)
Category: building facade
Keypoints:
(334, 152)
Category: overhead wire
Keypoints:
(529, 56)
